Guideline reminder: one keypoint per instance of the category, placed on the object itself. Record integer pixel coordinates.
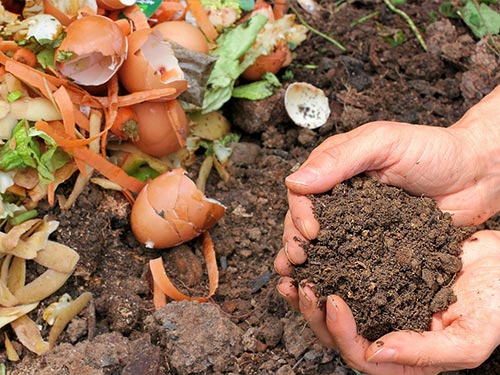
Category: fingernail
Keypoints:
(285, 250)
(303, 177)
(304, 299)
(383, 355)
(280, 283)
(303, 228)
(331, 311)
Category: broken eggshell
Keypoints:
(92, 51)
(162, 127)
(43, 27)
(171, 210)
(150, 64)
(185, 34)
(306, 105)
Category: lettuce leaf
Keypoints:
(230, 47)
(257, 90)
(29, 147)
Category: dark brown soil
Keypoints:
(391, 256)
(246, 328)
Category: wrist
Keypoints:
(479, 131)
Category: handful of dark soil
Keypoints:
(391, 256)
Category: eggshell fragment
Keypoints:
(43, 26)
(184, 34)
(306, 105)
(162, 127)
(150, 64)
(96, 47)
(171, 210)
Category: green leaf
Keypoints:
(481, 19)
(257, 90)
(20, 150)
(247, 5)
(14, 95)
(46, 58)
(447, 9)
(63, 56)
(230, 47)
(23, 150)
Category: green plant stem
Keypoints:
(410, 22)
(317, 32)
(16, 220)
(365, 18)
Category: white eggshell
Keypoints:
(43, 26)
(306, 105)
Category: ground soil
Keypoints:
(246, 328)
(391, 256)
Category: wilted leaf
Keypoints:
(481, 19)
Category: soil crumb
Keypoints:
(390, 255)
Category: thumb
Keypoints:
(343, 156)
(451, 348)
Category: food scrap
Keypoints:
(125, 94)
(22, 244)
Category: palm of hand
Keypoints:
(461, 337)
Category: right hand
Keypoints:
(460, 337)
(458, 167)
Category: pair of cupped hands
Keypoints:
(459, 167)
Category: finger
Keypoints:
(314, 315)
(342, 327)
(293, 242)
(341, 159)
(282, 265)
(450, 349)
(286, 288)
(301, 212)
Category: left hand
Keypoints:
(461, 337)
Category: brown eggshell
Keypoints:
(158, 217)
(162, 127)
(149, 227)
(184, 34)
(147, 56)
(266, 63)
(99, 47)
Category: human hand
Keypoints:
(463, 336)
(458, 167)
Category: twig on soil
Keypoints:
(315, 31)
(410, 22)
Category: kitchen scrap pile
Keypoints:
(125, 94)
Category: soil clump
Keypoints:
(390, 255)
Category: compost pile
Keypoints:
(390, 255)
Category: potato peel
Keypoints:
(30, 241)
